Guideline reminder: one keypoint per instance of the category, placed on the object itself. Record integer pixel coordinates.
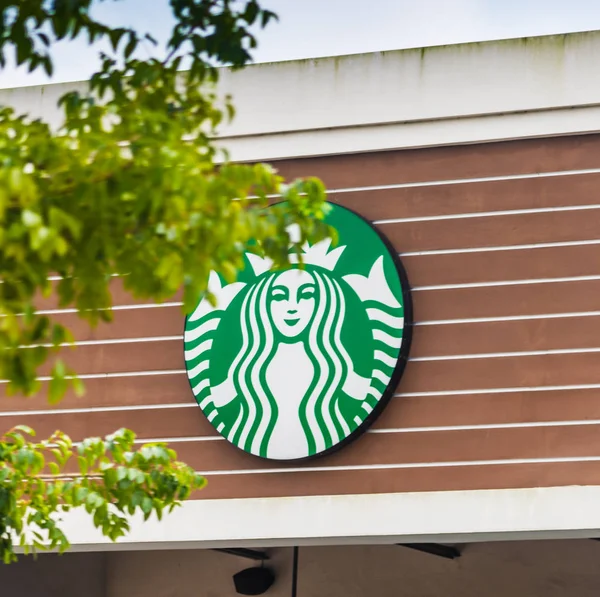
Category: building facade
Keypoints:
(480, 164)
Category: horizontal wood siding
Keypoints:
(501, 243)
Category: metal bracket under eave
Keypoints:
(240, 552)
(434, 549)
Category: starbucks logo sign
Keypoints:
(293, 364)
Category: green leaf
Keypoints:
(81, 494)
(147, 505)
(58, 335)
(115, 37)
(251, 12)
(131, 45)
(31, 219)
(24, 429)
(47, 64)
(56, 389)
(78, 387)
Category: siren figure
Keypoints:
(292, 369)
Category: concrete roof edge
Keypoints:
(548, 39)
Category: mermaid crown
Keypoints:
(317, 254)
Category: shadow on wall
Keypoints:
(516, 568)
(70, 575)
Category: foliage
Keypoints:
(131, 184)
(128, 184)
(112, 479)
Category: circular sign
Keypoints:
(294, 363)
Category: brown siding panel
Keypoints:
(128, 356)
(502, 372)
(172, 388)
(472, 197)
(120, 296)
(449, 163)
(430, 341)
(127, 323)
(557, 333)
(494, 231)
(183, 418)
(507, 301)
(456, 478)
(505, 265)
(149, 424)
(502, 408)
(388, 449)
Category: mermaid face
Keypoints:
(292, 301)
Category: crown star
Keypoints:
(259, 264)
(320, 255)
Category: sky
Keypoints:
(316, 28)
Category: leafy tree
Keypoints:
(131, 184)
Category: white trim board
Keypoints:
(414, 135)
(449, 516)
(456, 94)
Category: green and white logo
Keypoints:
(291, 364)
